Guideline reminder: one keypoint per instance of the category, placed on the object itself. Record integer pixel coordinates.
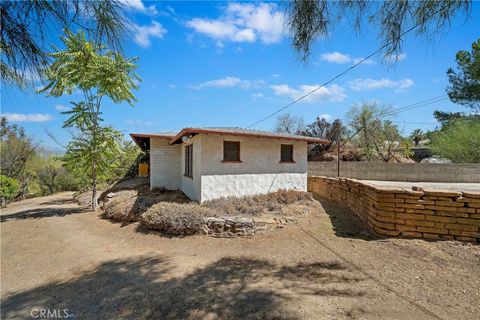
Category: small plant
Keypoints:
(8, 188)
(176, 219)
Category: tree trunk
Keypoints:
(94, 188)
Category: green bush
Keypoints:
(9, 188)
(459, 141)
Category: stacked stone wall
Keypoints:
(414, 213)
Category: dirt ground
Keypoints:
(56, 255)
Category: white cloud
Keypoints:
(276, 75)
(28, 117)
(333, 93)
(61, 107)
(367, 61)
(396, 57)
(172, 86)
(335, 57)
(138, 5)
(243, 23)
(142, 34)
(360, 84)
(257, 96)
(341, 58)
(230, 82)
(326, 116)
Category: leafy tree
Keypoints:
(321, 128)
(27, 28)
(287, 123)
(445, 118)
(47, 171)
(8, 189)
(98, 73)
(459, 141)
(15, 149)
(377, 137)
(465, 83)
(309, 20)
(417, 135)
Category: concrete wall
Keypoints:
(164, 164)
(425, 172)
(424, 213)
(259, 172)
(216, 186)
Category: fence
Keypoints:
(416, 172)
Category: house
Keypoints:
(208, 163)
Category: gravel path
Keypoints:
(56, 255)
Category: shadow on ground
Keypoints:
(345, 223)
(230, 288)
(46, 212)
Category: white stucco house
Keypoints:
(208, 163)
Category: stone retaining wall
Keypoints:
(420, 213)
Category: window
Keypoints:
(231, 151)
(286, 153)
(188, 160)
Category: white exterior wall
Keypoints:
(191, 186)
(259, 172)
(164, 164)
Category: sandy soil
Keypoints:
(56, 255)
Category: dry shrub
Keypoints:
(83, 198)
(176, 219)
(272, 202)
(126, 206)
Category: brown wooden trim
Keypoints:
(291, 153)
(232, 161)
(245, 134)
(239, 151)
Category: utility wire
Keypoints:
(398, 110)
(341, 74)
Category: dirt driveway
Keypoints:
(56, 255)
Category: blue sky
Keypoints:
(231, 64)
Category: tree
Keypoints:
(27, 28)
(376, 137)
(465, 83)
(16, 149)
(459, 141)
(417, 135)
(8, 189)
(98, 73)
(287, 123)
(321, 128)
(47, 172)
(445, 118)
(309, 20)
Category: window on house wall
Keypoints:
(189, 160)
(231, 151)
(286, 153)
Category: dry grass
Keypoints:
(272, 203)
(175, 218)
(171, 212)
(126, 206)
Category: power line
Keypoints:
(340, 74)
(400, 109)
